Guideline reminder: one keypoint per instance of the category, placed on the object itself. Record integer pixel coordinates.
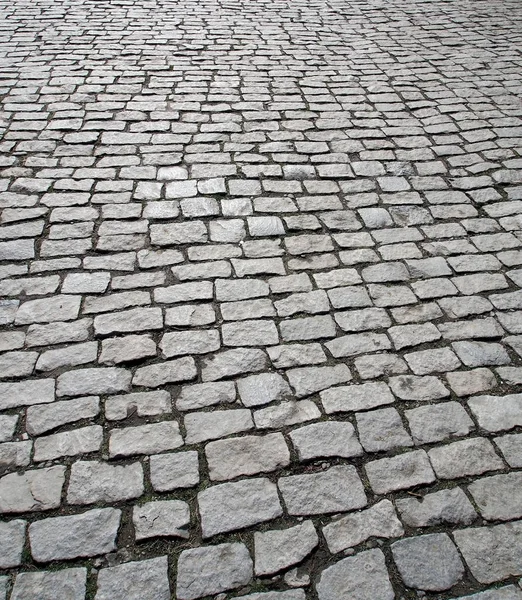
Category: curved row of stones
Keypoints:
(260, 271)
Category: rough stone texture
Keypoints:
(337, 489)
(142, 580)
(259, 244)
(231, 506)
(212, 569)
(492, 553)
(361, 577)
(12, 538)
(379, 521)
(450, 506)
(428, 562)
(48, 585)
(276, 550)
(248, 455)
(161, 518)
(86, 534)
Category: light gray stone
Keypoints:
(492, 553)
(498, 498)
(126, 349)
(399, 472)
(286, 413)
(93, 381)
(381, 430)
(26, 393)
(450, 507)
(309, 380)
(230, 506)
(428, 562)
(168, 371)
(358, 343)
(379, 521)
(247, 455)
(295, 355)
(201, 395)
(334, 490)
(69, 443)
(329, 438)
(92, 482)
(360, 577)
(47, 310)
(279, 549)
(497, 413)
(161, 518)
(139, 580)
(174, 471)
(465, 457)
(202, 426)
(233, 362)
(189, 342)
(145, 439)
(8, 425)
(62, 538)
(421, 389)
(35, 490)
(45, 417)
(511, 448)
(14, 455)
(466, 383)
(287, 595)
(144, 404)
(477, 354)
(212, 569)
(509, 592)
(49, 585)
(12, 539)
(264, 388)
(356, 397)
(436, 422)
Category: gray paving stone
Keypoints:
(145, 439)
(33, 490)
(492, 553)
(174, 471)
(139, 580)
(428, 562)
(202, 426)
(399, 472)
(336, 489)
(509, 592)
(380, 520)
(62, 538)
(26, 393)
(497, 413)
(161, 518)
(361, 577)
(82, 382)
(257, 390)
(329, 438)
(91, 482)
(46, 585)
(286, 413)
(229, 506)
(278, 549)
(381, 430)
(450, 506)
(12, 539)
(356, 397)
(477, 354)
(465, 457)
(421, 389)
(169, 371)
(200, 395)
(511, 448)
(247, 455)
(436, 422)
(498, 498)
(209, 570)
(68, 443)
(143, 404)
(309, 380)
(233, 362)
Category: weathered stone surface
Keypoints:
(399, 472)
(63, 538)
(278, 549)
(82, 382)
(307, 381)
(234, 362)
(511, 448)
(380, 521)
(497, 413)
(143, 404)
(47, 310)
(286, 413)
(492, 553)
(356, 397)
(422, 389)
(381, 430)
(200, 395)
(257, 390)
(12, 538)
(212, 569)
(26, 393)
(231, 506)
(69, 443)
(161, 518)
(360, 577)
(169, 371)
(46, 417)
(34, 490)
(140, 580)
(49, 585)
(330, 438)
(174, 471)
(127, 349)
(445, 507)
(498, 498)
(335, 490)
(428, 562)
(145, 439)
(465, 457)
(202, 426)
(437, 422)
(92, 482)
(509, 592)
(246, 455)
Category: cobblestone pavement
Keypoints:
(261, 280)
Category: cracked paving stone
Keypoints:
(161, 518)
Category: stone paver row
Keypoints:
(260, 300)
